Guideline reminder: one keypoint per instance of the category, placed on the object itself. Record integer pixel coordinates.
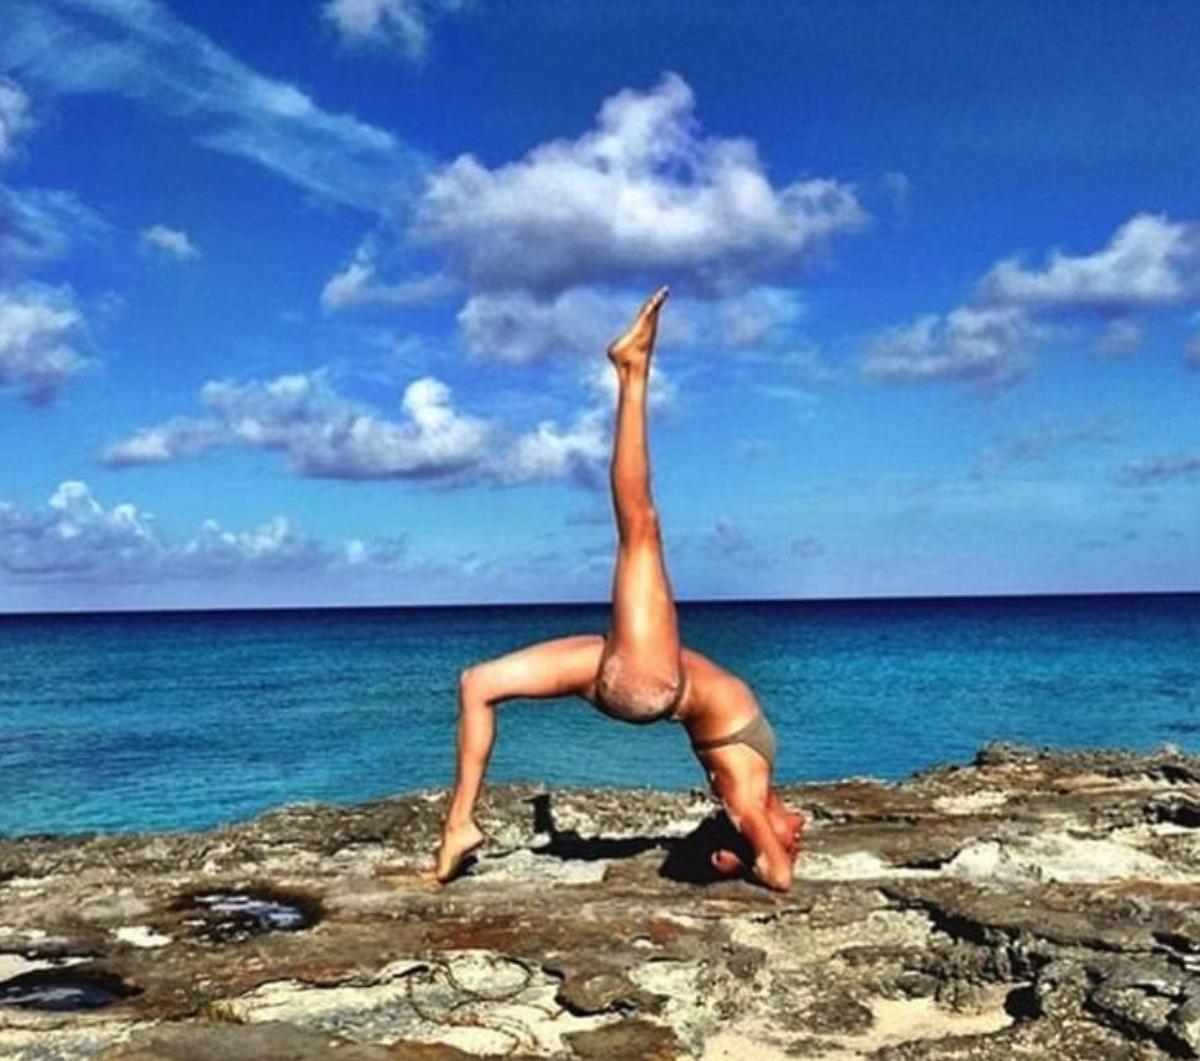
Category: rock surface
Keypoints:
(1030, 905)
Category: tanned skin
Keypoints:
(641, 654)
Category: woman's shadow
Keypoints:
(688, 858)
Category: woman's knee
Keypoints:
(472, 682)
(641, 524)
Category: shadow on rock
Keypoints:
(689, 858)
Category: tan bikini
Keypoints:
(757, 733)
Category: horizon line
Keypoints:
(346, 607)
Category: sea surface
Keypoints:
(185, 720)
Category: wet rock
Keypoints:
(64, 990)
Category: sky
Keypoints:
(307, 304)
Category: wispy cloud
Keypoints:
(139, 50)
(1041, 440)
(401, 27)
(39, 225)
(15, 116)
(1165, 468)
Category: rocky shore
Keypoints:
(1031, 904)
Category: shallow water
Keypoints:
(129, 722)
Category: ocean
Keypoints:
(129, 722)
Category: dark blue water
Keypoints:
(129, 722)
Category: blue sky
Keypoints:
(307, 303)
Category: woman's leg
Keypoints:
(566, 666)
(644, 633)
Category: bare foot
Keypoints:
(788, 828)
(458, 841)
(632, 350)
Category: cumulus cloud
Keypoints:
(15, 118)
(138, 49)
(985, 346)
(38, 326)
(322, 434)
(548, 452)
(1149, 261)
(75, 536)
(400, 26)
(644, 193)
(172, 243)
(325, 435)
(1166, 468)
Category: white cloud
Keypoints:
(643, 194)
(138, 49)
(753, 318)
(519, 327)
(167, 242)
(1149, 261)
(601, 380)
(75, 536)
(37, 327)
(547, 452)
(324, 435)
(401, 26)
(15, 118)
(358, 284)
(985, 346)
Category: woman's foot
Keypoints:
(458, 841)
(632, 350)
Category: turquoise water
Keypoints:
(131, 722)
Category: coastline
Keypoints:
(1033, 903)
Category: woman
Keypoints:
(638, 672)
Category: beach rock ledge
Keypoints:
(1033, 904)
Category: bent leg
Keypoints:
(644, 632)
(565, 666)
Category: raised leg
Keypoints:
(565, 666)
(642, 653)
